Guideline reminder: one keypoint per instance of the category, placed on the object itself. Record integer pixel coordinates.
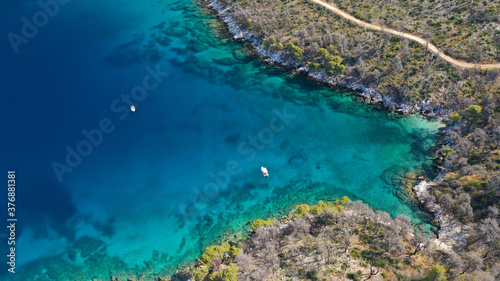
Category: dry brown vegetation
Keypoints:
(466, 30)
(328, 242)
(389, 64)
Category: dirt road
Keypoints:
(417, 39)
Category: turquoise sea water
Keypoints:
(183, 171)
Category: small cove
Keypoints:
(157, 189)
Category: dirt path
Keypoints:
(419, 40)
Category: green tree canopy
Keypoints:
(335, 59)
(302, 210)
(332, 50)
(249, 24)
(313, 66)
(436, 273)
(217, 252)
(455, 117)
(296, 51)
(230, 273)
(473, 112)
(323, 53)
(447, 150)
(318, 208)
(339, 68)
(269, 41)
(200, 273)
(261, 223)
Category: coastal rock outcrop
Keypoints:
(451, 232)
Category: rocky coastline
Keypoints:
(451, 230)
(366, 92)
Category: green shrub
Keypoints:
(379, 263)
(399, 276)
(313, 66)
(332, 50)
(447, 150)
(473, 112)
(249, 24)
(355, 254)
(355, 276)
(269, 41)
(340, 68)
(229, 274)
(436, 273)
(323, 53)
(261, 223)
(296, 51)
(200, 273)
(313, 275)
(234, 251)
(217, 252)
(318, 208)
(335, 59)
(302, 210)
(345, 266)
(455, 117)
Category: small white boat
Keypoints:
(132, 108)
(264, 171)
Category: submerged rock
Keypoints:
(395, 175)
(164, 41)
(175, 32)
(226, 61)
(197, 47)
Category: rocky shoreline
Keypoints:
(451, 230)
(368, 94)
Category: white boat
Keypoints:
(264, 171)
(132, 108)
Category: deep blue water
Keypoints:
(183, 170)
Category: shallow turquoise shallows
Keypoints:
(151, 189)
